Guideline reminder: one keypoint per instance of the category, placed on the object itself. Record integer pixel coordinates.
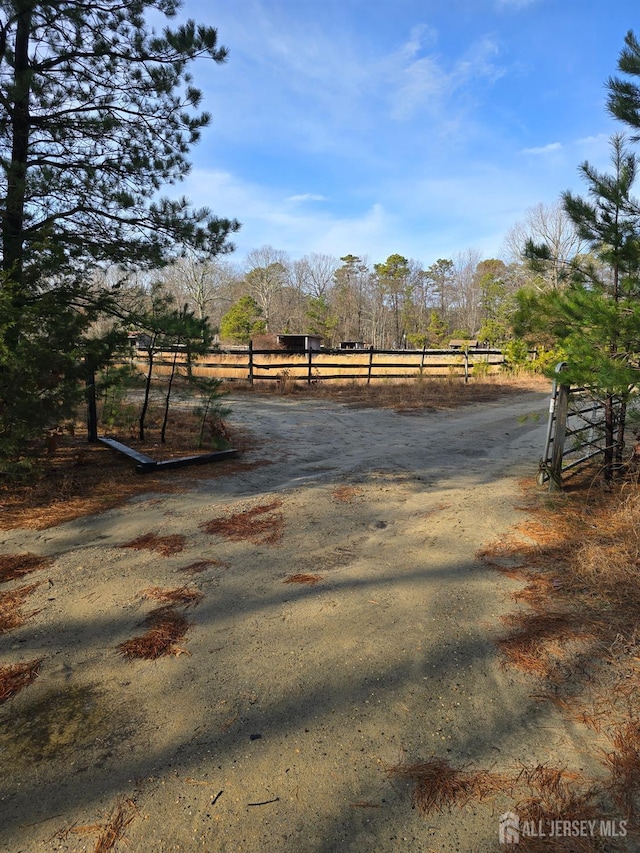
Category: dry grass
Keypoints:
(109, 834)
(415, 394)
(540, 793)
(165, 545)
(538, 641)
(11, 601)
(14, 566)
(545, 794)
(579, 560)
(553, 793)
(310, 580)
(80, 479)
(16, 676)
(262, 524)
(166, 627)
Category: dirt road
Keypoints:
(274, 730)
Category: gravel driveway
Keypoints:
(274, 726)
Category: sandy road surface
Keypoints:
(296, 698)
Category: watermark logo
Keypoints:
(509, 828)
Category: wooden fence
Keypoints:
(309, 366)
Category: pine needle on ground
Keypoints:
(166, 627)
(11, 601)
(15, 677)
(262, 524)
(14, 566)
(165, 545)
(310, 580)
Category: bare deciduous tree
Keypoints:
(267, 273)
(548, 224)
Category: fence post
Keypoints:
(250, 363)
(310, 367)
(370, 365)
(466, 365)
(559, 434)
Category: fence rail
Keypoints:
(309, 366)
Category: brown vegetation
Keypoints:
(166, 626)
(165, 545)
(262, 524)
(16, 676)
(439, 786)
(14, 566)
(182, 595)
(11, 601)
(345, 494)
(114, 829)
(81, 478)
(578, 558)
(109, 833)
(310, 580)
(540, 793)
(410, 395)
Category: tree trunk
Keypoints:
(13, 217)
(147, 391)
(168, 398)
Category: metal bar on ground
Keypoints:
(144, 463)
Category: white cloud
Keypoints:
(329, 90)
(544, 149)
(423, 83)
(307, 197)
(269, 218)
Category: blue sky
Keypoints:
(379, 126)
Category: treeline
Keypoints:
(397, 302)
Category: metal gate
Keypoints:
(575, 432)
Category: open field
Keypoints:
(321, 627)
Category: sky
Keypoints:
(425, 128)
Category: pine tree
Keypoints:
(242, 321)
(97, 113)
(596, 317)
